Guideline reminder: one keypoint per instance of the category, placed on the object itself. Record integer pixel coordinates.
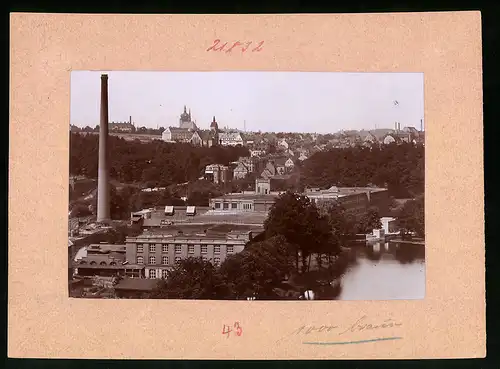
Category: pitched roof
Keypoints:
(280, 161)
(178, 130)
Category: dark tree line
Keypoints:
(400, 168)
(156, 163)
(411, 217)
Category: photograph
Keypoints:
(246, 185)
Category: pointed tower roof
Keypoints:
(214, 123)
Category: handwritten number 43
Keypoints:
(237, 329)
(228, 47)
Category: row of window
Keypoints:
(152, 273)
(178, 249)
(225, 205)
(165, 260)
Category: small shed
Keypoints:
(191, 211)
(169, 210)
(135, 287)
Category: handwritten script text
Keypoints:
(231, 46)
(362, 325)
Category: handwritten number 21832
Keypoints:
(226, 329)
(229, 46)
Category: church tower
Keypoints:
(214, 126)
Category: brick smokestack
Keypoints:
(103, 213)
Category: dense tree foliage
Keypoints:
(192, 278)
(157, 162)
(258, 270)
(399, 167)
(297, 219)
(412, 217)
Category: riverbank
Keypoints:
(410, 242)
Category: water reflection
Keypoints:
(383, 272)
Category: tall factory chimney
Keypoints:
(103, 213)
(421, 125)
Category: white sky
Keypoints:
(267, 101)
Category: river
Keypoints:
(384, 271)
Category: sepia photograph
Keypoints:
(246, 185)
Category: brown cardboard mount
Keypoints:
(45, 323)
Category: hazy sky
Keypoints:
(267, 101)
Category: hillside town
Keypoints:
(199, 210)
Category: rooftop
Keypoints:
(243, 196)
(105, 247)
(136, 284)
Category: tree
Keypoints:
(369, 221)
(297, 219)
(80, 210)
(412, 217)
(191, 278)
(258, 270)
(197, 198)
(398, 167)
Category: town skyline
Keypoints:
(269, 102)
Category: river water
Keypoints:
(384, 271)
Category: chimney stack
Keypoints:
(130, 121)
(395, 126)
(103, 213)
(421, 125)
(399, 126)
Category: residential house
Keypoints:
(289, 165)
(269, 170)
(249, 162)
(196, 139)
(370, 139)
(175, 134)
(209, 138)
(122, 127)
(240, 171)
(279, 164)
(231, 139)
(217, 173)
(398, 137)
(283, 144)
(257, 153)
(302, 156)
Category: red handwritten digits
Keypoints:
(237, 43)
(239, 330)
(246, 48)
(228, 331)
(216, 42)
(259, 47)
(217, 46)
(214, 46)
